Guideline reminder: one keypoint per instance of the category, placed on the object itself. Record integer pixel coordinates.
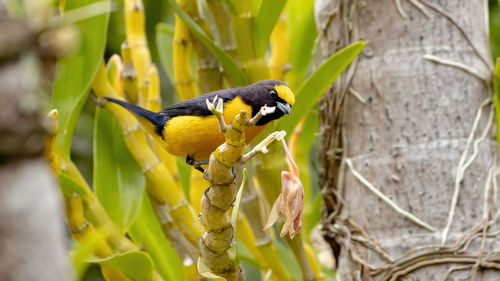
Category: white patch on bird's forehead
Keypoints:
(285, 93)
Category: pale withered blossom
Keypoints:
(290, 202)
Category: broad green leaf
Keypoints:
(164, 39)
(147, 231)
(496, 96)
(116, 29)
(86, 12)
(244, 254)
(118, 181)
(136, 265)
(230, 6)
(75, 72)
(82, 251)
(312, 218)
(264, 23)
(289, 261)
(231, 68)
(302, 159)
(156, 11)
(256, 4)
(254, 272)
(314, 87)
(69, 186)
(302, 35)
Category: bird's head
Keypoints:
(271, 93)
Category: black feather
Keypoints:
(255, 95)
(198, 106)
(158, 120)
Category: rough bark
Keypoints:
(32, 237)
(407, 139)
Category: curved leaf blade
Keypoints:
(302, 34)
(75, 72)
(118, 181)
(314, 87)
(136, 265)
(230, 66)
(69, 186)
(147, 231)
(164, 38)
(264, 23)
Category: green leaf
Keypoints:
(244, 254)
(302, 35)
(134, 264)
(230, 66)
(302, 159)
(314, 87)
(74, 73)
(69, 186)
(256, 4)
(164, 39)
(289, 261)
(156, 11)
(82, 251)
(230, 6)
(496, 97)
(116, 29)
(312, 218)
(118, 180)
(264, 23)
(147, 231)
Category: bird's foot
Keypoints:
(196, 164)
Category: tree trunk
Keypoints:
(400, 124)
(33, 243)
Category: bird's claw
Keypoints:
(265, 110)
(196, 164)
(215, 109)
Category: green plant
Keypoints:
(139, 212)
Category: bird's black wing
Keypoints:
(197, 106)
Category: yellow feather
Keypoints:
(285, 93)
(199, 136)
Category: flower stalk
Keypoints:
(218, 198)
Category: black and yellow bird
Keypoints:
(190, 130)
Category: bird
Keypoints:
(190, 130)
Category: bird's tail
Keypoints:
(152, 121)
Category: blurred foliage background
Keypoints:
(132, 208)
(99, 150)
(113, 204)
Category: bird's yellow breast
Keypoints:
(199, 136)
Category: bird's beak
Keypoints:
(284, 107)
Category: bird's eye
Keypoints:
(273, 94)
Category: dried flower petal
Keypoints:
(290, 202)
(274, 214)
